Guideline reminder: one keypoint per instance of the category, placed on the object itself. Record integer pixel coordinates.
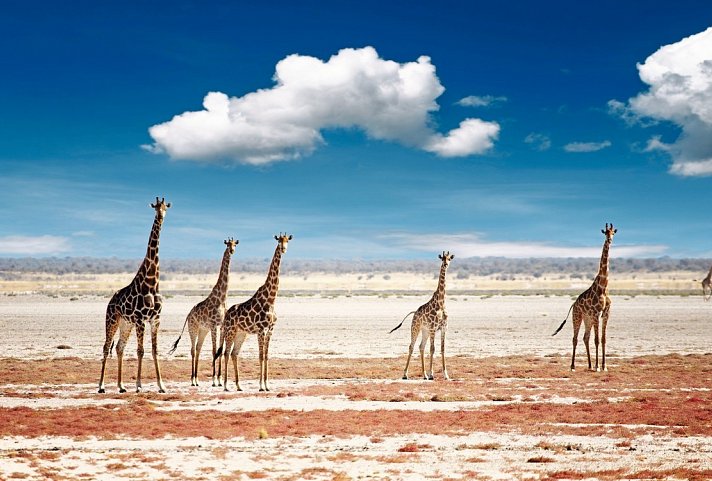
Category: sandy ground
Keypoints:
(338, 409)
(308, 327)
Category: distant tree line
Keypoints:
(485, 266)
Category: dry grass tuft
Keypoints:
(409, 448)
(541, 459)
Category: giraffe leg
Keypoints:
(155, 324)
(586, 338)
(261, 348)
(193, 342)
(604, 322)
(596, 340)
(442, 352)
(124, 332)
(227, 346)
(431, 335)
(577, 315)
(414, 330)
(112, 325)
(213, 338)
(268, 336)
(198, 347)
(140, 328)
(235, 357)
(192, 330)
(423, 341)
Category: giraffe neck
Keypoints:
(439, 295)
(220, 289)
(271, 285)
(602, 277)
(148, 273)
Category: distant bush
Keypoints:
(499, 267)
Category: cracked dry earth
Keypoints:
(515, 417)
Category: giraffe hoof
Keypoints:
(573, 369)
(162, 391)
(405, 377)
(122, 390)
(138, 389)
(102, 390)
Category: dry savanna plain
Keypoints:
(338, 408)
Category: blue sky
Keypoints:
(390, 130)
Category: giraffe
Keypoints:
(207, 316)
(135, 305)
(593, 304)
(707, 286)
(254, 316)
(428, 319)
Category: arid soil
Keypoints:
(336, 415)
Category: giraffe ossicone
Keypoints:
(137, 305)
(254, 316)
(428, 319)
(592, 307)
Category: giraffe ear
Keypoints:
(603, 231)
(237, 242)
(615, 230)
(440, 257)
(290, 237)
(168, 205)
(452, 257)
(276, 238)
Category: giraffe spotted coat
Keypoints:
(137, 305)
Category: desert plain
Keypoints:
(338, 408)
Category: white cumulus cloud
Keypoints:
(40, 245)
(679, 77)
(480, 101)
(579, 147)
(353, 89)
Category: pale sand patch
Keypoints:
(252, 400)
(497, 456)
(317, 327)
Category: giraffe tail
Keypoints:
(567, 318)
(218, 353)
(399, 325)
(111, 348)
(175, 344)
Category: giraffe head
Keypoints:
(161, 207)
(609, 232)
(446, 257)
(282, 241)
(231, 243)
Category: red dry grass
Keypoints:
(665, 401)
(409, 448)
(140, 418)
